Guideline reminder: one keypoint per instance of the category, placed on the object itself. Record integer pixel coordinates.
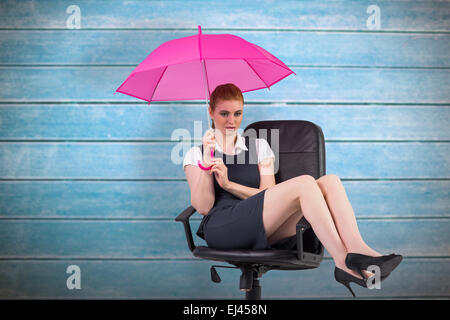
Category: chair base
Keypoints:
(249, 281)
(254, 264)
(255, 292)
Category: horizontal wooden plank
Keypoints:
(159, 122)
(166, 239)
(345, 15)
(344, 85)
(414, 278)
(102, 200)
(293, 48)
(136, 160)
(167, 199)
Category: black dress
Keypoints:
(233, 223)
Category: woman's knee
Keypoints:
(306, 178)
(305, 183)
(329, 178)
(328, 181)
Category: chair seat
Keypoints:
(276, 259)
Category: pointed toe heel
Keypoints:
(359, 262)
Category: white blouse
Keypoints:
(262, 149)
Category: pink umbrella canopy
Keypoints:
(190, 68)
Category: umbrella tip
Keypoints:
(199, 29)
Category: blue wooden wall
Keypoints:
(86, 177)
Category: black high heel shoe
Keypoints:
(360, 262)
(345, 278)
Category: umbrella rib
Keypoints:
(285, 68)
(199, 44)
(206, 79)
(151, 98)
(129, 77)
(257, 74)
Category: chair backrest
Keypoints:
(299, 147)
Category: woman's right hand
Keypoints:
(209, 143)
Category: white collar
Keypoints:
(238, 146)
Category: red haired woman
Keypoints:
(243, 208)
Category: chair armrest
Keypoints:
(184, 218)
(309, 258)
(300, 228)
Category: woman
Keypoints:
(243, 208)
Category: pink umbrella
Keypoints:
(188, 68)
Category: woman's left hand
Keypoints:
(220, 171)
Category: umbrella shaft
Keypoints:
(205, 79)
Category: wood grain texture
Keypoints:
(190, 279)
(163, 160)
(159, 122)
(164, 239)
(311, 84)
(94, 179)
(122, 47)
(125, 199)
(335, 15)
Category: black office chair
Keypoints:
(301, 151)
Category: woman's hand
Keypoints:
(220, 171)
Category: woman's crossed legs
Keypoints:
(325, 206)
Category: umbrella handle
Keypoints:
(206, 168)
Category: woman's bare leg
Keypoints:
(287, 229)
(343, 215)
(281, 202)
(315, 210)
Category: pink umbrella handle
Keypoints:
(206, 168)
(202, 167)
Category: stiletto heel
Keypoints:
(347, 284)
(345, 278)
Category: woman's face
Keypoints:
(227, 116)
